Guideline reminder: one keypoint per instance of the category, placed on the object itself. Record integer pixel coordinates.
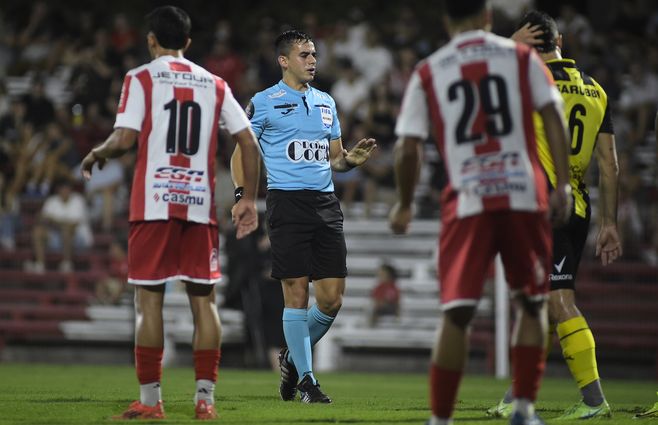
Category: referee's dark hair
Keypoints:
(284, 42)
(546, 24)
(458, 10)
(171, 26)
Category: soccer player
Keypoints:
(173, 109)
(588, 112)
(300, 140)
(478, 92)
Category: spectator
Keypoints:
(350, 92)
(54, 158)
(224, 62)
(373, 60)
(385, 295)
(40, 110)
(9, 215)
(63, 225)
(110, 288)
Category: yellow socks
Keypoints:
(578, 347)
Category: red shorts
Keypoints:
(467, 247)
(164, 250)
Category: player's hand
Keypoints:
(360, 152)
(608, 244)
(245, 217)
(528, 35)
(559, 205)
(88, 163)
(399, 218)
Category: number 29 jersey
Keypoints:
(177, 107)
(478, 93)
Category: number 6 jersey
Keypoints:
(177, 107)
(479, 92)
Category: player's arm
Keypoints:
(245, 164)
(556, 135)
(412, 129)
(408, 154)
(118, 143)
(608, 243)
(342, 160)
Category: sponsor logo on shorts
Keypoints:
(558, 277)
(559, 265)
(308, 151)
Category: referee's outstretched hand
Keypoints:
(360, 152)
(245, 217)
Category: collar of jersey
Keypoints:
(170, 58)
(287, 88)
(563, 60)
(466, 35)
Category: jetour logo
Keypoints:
(308, 151)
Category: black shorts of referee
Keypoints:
(306, 234)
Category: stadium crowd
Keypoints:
(61, 70)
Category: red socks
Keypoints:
(148, 362)
(528, 368)
(444, 384)
(206, 363)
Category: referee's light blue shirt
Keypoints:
(294, 130)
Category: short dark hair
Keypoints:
(461, 9)
(392, 271)
(171, 26)
(284, 42)
(546, 24)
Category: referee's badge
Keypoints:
(327, 116)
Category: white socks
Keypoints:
(436, 421)
(150, 394)
(524, 406)
(205, 390)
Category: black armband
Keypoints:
(239, 192)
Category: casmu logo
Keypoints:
(559, 266)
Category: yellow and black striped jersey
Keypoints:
(588, 114)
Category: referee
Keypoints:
(299, 136)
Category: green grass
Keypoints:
(52, 394)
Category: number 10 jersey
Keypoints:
(177, 107)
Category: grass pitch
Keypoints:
(53, 394)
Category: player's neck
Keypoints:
(159, 51)
(555, 54)
(294, 83)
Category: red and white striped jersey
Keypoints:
(479, 92)
(177, 107)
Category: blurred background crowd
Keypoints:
(62, 65)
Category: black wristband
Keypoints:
(239, 192)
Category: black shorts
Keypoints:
(568, 245)
(306, 234)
